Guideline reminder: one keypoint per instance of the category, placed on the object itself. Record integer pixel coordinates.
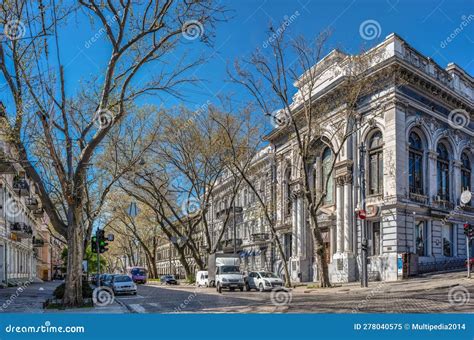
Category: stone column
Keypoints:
(295, 233)
(340, 215)
(301, 226)
(348, 211)
(455, 181)
(432, 175)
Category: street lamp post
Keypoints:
(465, 199)
(364, 277)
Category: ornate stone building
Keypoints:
(20, 217)
(418, 135)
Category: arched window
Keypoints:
(326, 172)
(415, 167)
(288, 198)
(443, 172)
(465, 172)
(376, 163)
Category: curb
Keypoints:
(130, 309)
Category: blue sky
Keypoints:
(424, 24)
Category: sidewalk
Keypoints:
(425, 282)
(30, 299)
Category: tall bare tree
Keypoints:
(140, 35)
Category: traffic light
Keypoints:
(102, 241)
(469, 230)
(94, 244)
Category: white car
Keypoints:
(123, 284)
(263, 281)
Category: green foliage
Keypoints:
(191, 279)
(89, 256)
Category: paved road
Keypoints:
(447, 293)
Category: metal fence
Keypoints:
(428, 267)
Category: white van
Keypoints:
(202, 278)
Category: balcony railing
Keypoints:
(6, 167)
(229, 244)
(260, 237)
(21, 186)
(418, 198)
(31, 203)
(39, 212)
(21, 229)
(439, 202)
(38, 242)
(224, 212)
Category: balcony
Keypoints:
(418, 198)
(21, 186)
(224, 212)
(6, 167)
(21, 229)
(441, 202)
(260, 237)
(228, 245)
(31, 203)
(38, 213)
(38, 242)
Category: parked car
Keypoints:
(262, 281)
(168, 280)
(107, 280)
(95, 279)
(202, 278)
(123, 284)
(102, 278)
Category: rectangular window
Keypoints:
(447, 234)
(375, 238)
(288, 241)
(420, 238)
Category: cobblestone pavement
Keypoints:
(442, 293)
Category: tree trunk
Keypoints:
(320, 255)
(182, 259)
(73, 289)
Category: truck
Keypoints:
(224, 272)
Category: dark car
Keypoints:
(168, 280)
(95, 279)
(107, 280)
(102, 278)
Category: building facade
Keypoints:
(20, 218)
(418, 140)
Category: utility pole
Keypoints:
(235, 229)
(364, 276)
(468, 248)
(98, 256)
